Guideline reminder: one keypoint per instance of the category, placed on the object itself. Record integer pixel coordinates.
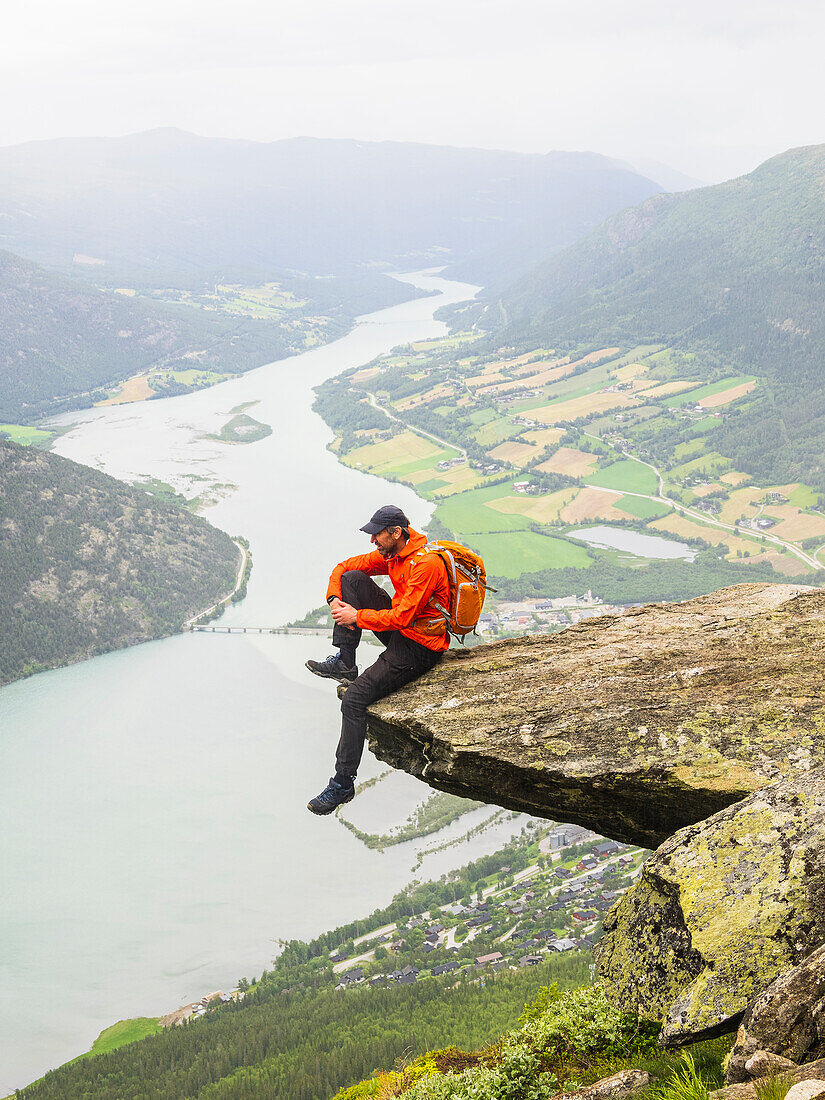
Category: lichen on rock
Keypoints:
(634, 725)
(787, 1021)
(720, 911)
(699, 727)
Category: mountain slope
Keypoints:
(90, 564)
(735, 272)
(170, 206)
(60, 336)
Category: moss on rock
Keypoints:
(720, 910)
(634, 725)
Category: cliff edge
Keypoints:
(635, 725)
(697, 726)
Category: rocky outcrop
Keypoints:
(720, 911)
(635, 725)
(812, 1075)
(786, 1022)
(697, 726)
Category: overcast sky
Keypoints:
(711, 87)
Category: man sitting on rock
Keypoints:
(413, 632)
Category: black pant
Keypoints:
(401, 662)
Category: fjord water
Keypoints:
(154, 840)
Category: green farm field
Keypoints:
(641, 508)
(121, 1033)
(26, 436)
(488, 435)
(511, 553)
(632, 477)
(465, 513)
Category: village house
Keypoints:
(608, 848)
(585, 916)
(530, 960)
(488, 960)
(445, 968)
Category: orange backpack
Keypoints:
(467, 579)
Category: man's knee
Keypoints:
(351, 581)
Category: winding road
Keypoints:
(226, 599)
(703, 517)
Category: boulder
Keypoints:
(621, 1084)
(720, 911)
(806, 1090)
(765, 1064)
(787, 1020)
(813, 1073)
(634, 725)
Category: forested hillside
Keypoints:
(735, 272)
(60, 337)
(90, 564)
(295, 1036)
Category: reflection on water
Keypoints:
(644, 546)
(155, 841)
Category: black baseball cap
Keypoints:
(388, 516)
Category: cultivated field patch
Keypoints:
(439, 392)
(544, 437)
(726, 396)
(785, 563)
(632, 477)
(708, 466)
(467, 513)
(597, 356)
(697, 396)
(577, 407)
(134, 389)
(568, 460)
(592, 504)
(734, 477)
(741, 502)
(801, 526)
(668, 389)
(540, 509)
(515, 552)
(642, 508)
(630, 372)
(366, 374)
(548, 375)
(24, 434)
(496, 431)
(458, 479)
(514, 452)
(678, 524)
(803, 496)
(700, 491)
(396, 454)
(540, 364)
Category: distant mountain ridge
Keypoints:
(735, 271)
(167, 205)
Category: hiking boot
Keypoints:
(331, 797)
(333, 668)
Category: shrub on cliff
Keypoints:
(561, 1036)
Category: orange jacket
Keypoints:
(415, 583)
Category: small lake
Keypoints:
(631, 542)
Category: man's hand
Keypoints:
(344, 614)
